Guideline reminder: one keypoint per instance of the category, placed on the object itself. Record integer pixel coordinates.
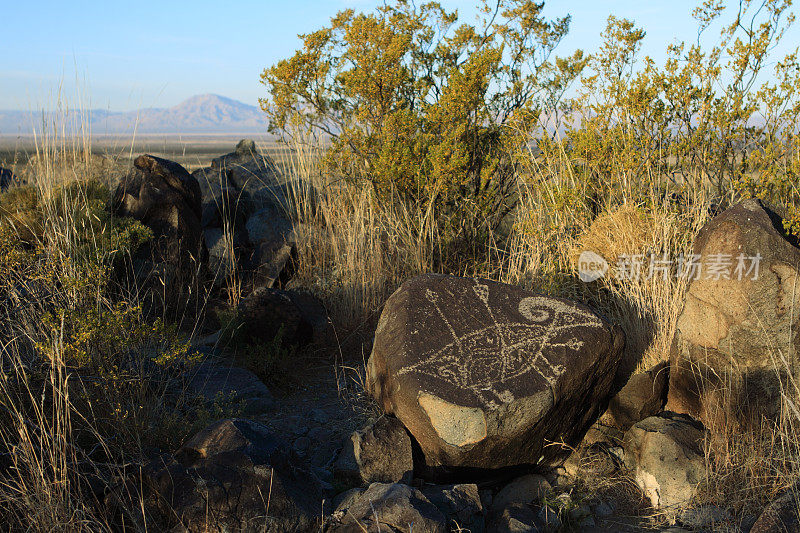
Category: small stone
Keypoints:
(318, 415)
(525, 490)
(301, 445)
(549, 518)
(516, 518)
(603, 510)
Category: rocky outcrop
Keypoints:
(381, 452)
(666, 455)
(484, 374)
(246, 200)
(236, 476)
(740, 314)
(388, 507)
(166, 198)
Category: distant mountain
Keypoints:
(205, 113)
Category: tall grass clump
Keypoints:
(90, 386)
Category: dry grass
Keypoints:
(353, 253)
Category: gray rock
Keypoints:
(224, 207)
(268, 226)
(603, 510)
(395, 507)
(215, 381)
(223, 252)
(526, 489)
(460, 504)
(665, 453)
(516, 518)
(473, 369)
(381, 452)
(343, 500)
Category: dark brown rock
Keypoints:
(460, 504)
(381, 452)
(301, 318)
(166, 198)
(644, 395)
(237, 476)
(781, 516)
(725, 359)
(8, 178)
(389, 507)
(484, 374)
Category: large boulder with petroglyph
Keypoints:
(486, 375)
(738, 331)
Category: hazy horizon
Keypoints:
(120, 60)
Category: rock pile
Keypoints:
(166, 198)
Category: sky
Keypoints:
(121, 56)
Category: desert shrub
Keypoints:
(429, 112)
(704, 120)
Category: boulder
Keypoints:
(165, 198)
(8, 178)
(516, 518)
(484, 375)
(665, 454)
(389, 507)
(460, 504)
(237, 476)
(739, 319)
(268, 226)
(223, 252)
(266, 311)
(213, 381)
(381, 452)
(644, 395)
(528, 489)
(780, 516)
(226, 207)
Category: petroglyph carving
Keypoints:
(487, 360)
